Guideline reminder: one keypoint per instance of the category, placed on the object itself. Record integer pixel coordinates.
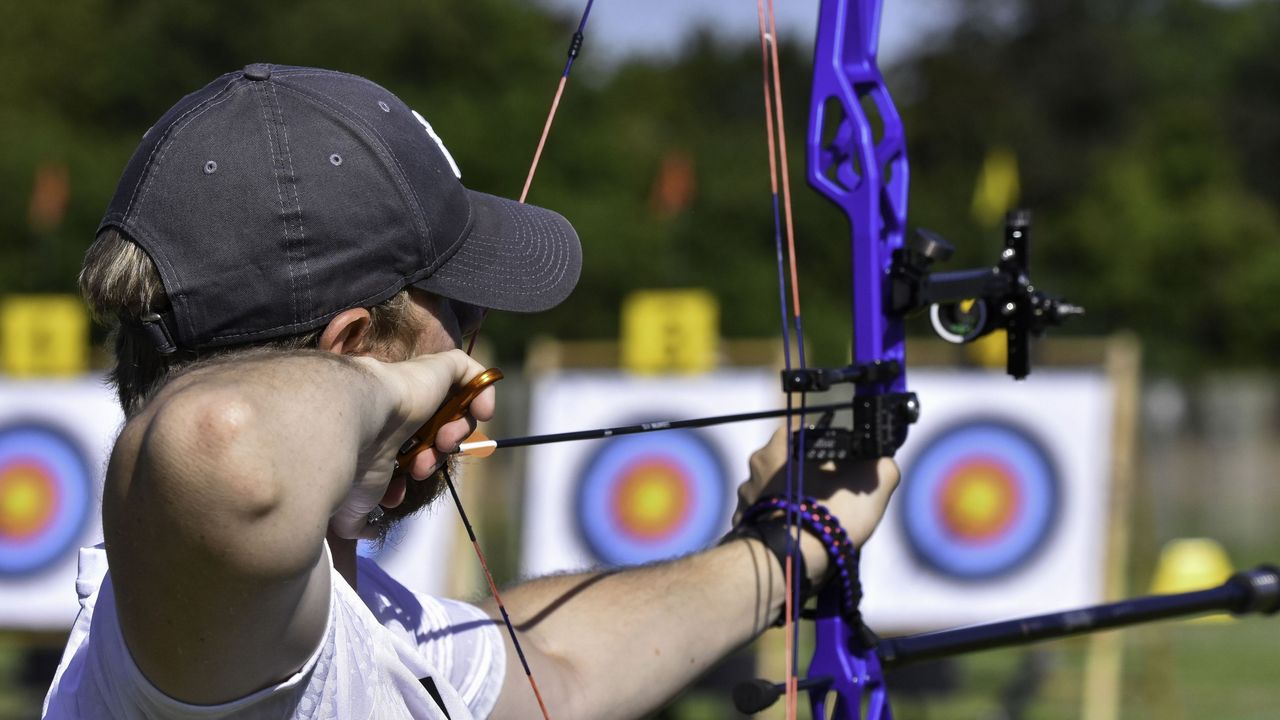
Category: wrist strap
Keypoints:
(814, 517)
(773, 534)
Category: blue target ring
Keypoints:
(45, 494)
(643, 498)
(979, 500)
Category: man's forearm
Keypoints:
(620, 644)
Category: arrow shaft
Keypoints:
(600, 433)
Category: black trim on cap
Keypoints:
(158, 327)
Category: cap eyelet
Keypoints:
(210, 167)
(336, 159)
(384, 106)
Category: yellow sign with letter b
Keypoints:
(43, 335)
(670, 331)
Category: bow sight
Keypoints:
(968, 304)
(964, 305)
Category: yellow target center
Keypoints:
(979, 501)
(652, 500)
(27, 501)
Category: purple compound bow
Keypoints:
(866, 176)
(856, 157)
(856, 153)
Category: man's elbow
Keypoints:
(210, 442)
(199, 479)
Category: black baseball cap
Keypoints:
(276, 197)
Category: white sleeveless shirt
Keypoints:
(381, 650)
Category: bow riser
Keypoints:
(852, 670)
(865, 175)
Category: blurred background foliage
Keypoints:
(1144, 130)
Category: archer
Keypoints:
(290, 264)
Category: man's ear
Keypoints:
(346, 332)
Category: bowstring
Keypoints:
(780, 185)
(493, 588)
(782, 217)
(575, 46)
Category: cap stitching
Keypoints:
(541, 261)
(540, 229)
(271, 144)
(368, 130)
(440, 258)
(403, 177)
(552, 276)
(168, 139)
(552, 272)
(165, 140)
(297, 199)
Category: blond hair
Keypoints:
(120, 283)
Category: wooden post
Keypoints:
(1104, 657)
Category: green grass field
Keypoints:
(1172, 671)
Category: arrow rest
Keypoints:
(880, 424)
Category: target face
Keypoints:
(45, 491)
(979, 500)
(650, 497)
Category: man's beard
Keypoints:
(417, 495)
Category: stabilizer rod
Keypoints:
(1252, 591)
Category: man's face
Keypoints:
(443, 325)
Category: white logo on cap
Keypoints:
(431, 131)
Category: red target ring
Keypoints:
(979, 500)
(46, 491)
(643, 498)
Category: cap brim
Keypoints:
(516, 257)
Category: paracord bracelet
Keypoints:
(816, 518)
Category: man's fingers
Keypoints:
(889, 473)
(347, 524)
(482, 408)
(429, 378)
(425, 463)
(454, 432)
(769, 459)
